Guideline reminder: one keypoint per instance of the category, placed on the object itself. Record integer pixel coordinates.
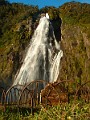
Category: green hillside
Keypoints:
(16, 29)
(17, 24)
(75, 41)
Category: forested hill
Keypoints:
(75, 12)
(75, 41)
(17, 24)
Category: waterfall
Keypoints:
(42, 60)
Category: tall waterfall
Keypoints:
(42, 60)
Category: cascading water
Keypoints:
(42, 61)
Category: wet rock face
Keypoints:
(57, 28)
(54, 93)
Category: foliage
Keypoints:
(3, 2)
(75, 12)
(16, 21)
(52, 11)
(75, 110)
(17, 24)
(75, 63)
(75, 41)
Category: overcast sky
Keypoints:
(43, 3)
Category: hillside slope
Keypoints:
(75, 41)
(17, 24)
(16, 28)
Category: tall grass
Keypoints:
(73, 111)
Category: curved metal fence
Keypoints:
(41, 92)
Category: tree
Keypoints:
(3, 2)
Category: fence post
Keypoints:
(32, 105)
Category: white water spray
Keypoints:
(42, 61)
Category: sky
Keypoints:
(43, 3)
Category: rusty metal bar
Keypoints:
(29, 95)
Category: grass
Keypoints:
(73, 111)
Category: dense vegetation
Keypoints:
(17, 24)
(76, 41)
(16, 28)
(75, 12)
(75, 110)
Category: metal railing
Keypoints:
(40, 92)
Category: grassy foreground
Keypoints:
(72, 111)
